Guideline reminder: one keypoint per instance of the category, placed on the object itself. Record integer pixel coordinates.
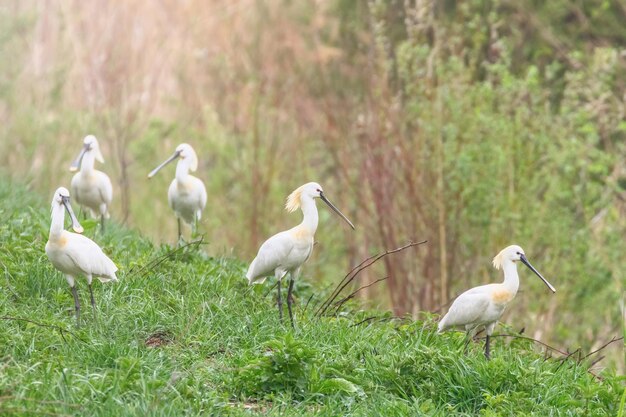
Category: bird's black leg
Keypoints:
(290, 300)
(93, 301)
(487, 347)
(180, 234)
(280, 303)
(102, 223)
(76, 305)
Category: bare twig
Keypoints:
(366, 320)
(50, 326)
(156, 262)
(16, 410)
(613, 340)
(306, 306)
(517, 336)
(354, 272)
(46, 402)
(567, 355)
(341, 302)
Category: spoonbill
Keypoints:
(186, 195)
(74, 254)
(484, 305)
(286, 251)
(91, 188)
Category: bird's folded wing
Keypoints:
(88, 256)
(466, 309)
(271, 254)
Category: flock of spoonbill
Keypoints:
(284, 253)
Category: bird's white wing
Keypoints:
(203, 195)
(466, 309)
(89, 258)
(105, 188)
(271, 253)
(171, 195)
(74, 187)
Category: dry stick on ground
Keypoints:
(354, 272)
(45, 402)
(156, 262)
(24, 411)
(307, 303)
(341, 302)
(517, 336)
(50, 326)
(613, 340)
(566, 354)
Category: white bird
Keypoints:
(186, 195)
(74, 254)
(484, 305)
(91, 188)
(286, 251)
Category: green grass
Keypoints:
(224, 351)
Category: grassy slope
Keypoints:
(228, 353)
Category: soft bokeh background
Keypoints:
(471, 124)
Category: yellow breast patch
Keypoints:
(502, 296)
(185, 185)
(61, 241)
(301, 233)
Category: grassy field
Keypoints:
(181, 333)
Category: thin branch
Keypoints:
(50, 326)
(156, 262)
(567, 355)
(14, 410)
(354, 272)
(613, 340)
(517, 336)
(46, 402)
(366, 320)
(341, 302)
(306, 306)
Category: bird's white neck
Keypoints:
(88, 162)
(511, 279)
(310, 217)
(58, 219)
(182, 169)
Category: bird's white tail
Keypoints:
(442, 325)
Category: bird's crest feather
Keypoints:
(497, 260)
(294, 200)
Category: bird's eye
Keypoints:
(319, 191)
(518, 253)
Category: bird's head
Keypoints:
(183, 151)
(90, 144)
(311, 190)
(513, 254)
(186, 152)
(61, 198)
